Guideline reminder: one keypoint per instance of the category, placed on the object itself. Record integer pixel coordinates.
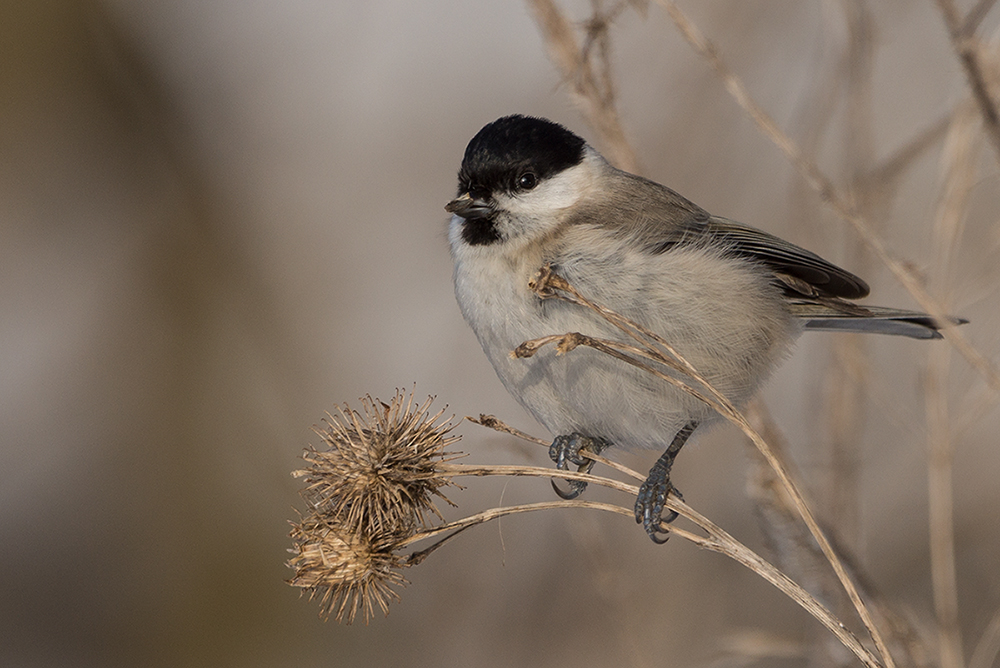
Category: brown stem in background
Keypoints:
(799, 555)
(959, 161)
(988, 646)
(830, 194)
(963, 40)
(587, 71)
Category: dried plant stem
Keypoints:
(988, 646)
(887, 173)
(717, 540)
(591, 84)
(976, 15)
(794, 545)
(959, 160)
(829, 193)
(539, 472)
(492, 422)
(496, 513)
(963, 40)
(845, 381)
(941, 511)
(549, 285)
(720, 541)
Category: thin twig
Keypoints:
(941, 511)
(975, 16)
(988, 646)
(717, 540)
(547, 284)
(846, 381)
(493, 422)
(540, 472)
(829, 193)
(495, 513)
(887, 173)
(960, 160)
(591, 85)
(965, 45)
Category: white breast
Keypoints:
(721, 314)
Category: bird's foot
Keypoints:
(565, 450)
(651, 501)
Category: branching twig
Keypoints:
(492, 422)
(829, 193)
(964, 42)
(591, 84)
(547, 284)
(716, 540)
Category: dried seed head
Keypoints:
(344, 570)
(381, 470)
(367, 493)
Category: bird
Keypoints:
(730, 298)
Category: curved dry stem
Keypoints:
(540, 472)
(495, 423)
(717, 540)
(549, 285)
(496, 513)
(720, 541)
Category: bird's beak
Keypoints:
(468, 207)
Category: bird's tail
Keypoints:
(839, 316)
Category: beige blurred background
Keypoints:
(220, 220)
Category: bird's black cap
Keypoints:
(513, 145)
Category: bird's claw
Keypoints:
(650, 503)
(576, 488)
(565, 450)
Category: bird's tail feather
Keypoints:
(841, 317)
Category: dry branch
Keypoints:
(830, 194)
(549, 285)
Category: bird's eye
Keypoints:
(527, 181)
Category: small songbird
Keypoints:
(729, 298)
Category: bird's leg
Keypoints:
(565, 450)
(653, 493)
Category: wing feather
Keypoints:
(788, 258)
(661, 219)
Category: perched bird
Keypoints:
(729, 298)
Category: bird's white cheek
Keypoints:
(555, 194)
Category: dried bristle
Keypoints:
(344, 570)
(367, 493)
(381, 471)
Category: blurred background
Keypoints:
(220, 220)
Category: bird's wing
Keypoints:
(659, 219)
(799, 270)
